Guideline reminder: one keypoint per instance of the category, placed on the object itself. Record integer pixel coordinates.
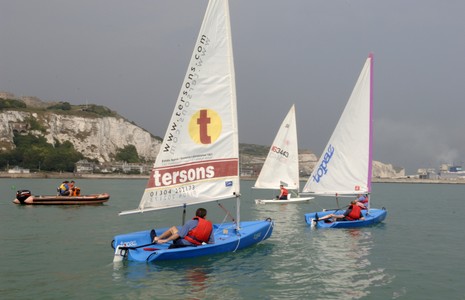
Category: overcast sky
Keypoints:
(131, 56)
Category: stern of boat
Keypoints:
(124, 242)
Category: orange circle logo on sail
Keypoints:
(205, 126)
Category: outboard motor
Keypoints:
(22, 195)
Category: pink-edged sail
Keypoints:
(199, 158)
(345, 167)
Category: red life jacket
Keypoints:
(75, 191)
(201, 233)
(354, 213)
(364, 200)
(285, 191)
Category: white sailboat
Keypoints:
(199, 159)
(281, 166)
(345, 167)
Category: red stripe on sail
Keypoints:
(192, 172)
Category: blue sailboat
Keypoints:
(198, 161)
(345, 167)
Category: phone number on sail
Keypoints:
(173, 193)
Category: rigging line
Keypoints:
(221, 225)
(227, 212)
(238, 241)
(321, 207)
(268, 230)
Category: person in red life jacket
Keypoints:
(362, 201)
(194, 233)
(74, 190)
(353, 213)
(283, 194)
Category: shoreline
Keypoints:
(417, 180)
(53, 175)
(44, 175)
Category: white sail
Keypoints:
(282, 163)
(345, 167)
(199, 157)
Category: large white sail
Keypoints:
(199, 157)
(345, 167)
(282, 163)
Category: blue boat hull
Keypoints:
(137, 246)
(374, 216)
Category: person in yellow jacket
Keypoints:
(63, 189)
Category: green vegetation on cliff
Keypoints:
(35, 153)
(11, 103)
(128, 154)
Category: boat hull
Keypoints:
(276, 201)
(374, 217)
(64, 200)
(137, 246)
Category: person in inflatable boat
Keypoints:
(194, 233)
(63, 189)
(73, 189)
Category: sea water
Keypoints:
(58, 252)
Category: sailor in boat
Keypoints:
(63, 189)
(195, 232)
(353, 213)
(73, 189)
(362, 201)
(283, 194)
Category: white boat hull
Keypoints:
(276, 201)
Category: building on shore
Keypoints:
(18, 170)
(429, 173)
(451, 172)
(86, 167)
(446, 172)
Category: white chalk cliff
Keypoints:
(96, 138)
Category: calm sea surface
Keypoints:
(63, 252)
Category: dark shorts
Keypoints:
(179, 243)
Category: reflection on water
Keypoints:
(164, 281)
(340, 259)
(196, 278)
(229, 276)
(318, 263)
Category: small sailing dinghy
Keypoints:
(281, 166)
(345, 167)
(199, 158)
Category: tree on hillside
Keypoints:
(128, 154)
(33, 152)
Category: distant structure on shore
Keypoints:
(18, 170)
(446, 172)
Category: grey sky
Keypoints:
(132, 57)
